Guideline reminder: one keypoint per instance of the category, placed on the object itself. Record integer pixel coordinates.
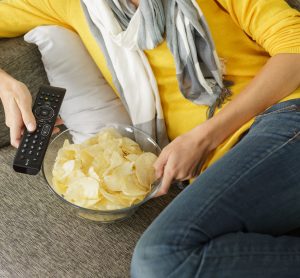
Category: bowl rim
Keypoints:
(115, 211)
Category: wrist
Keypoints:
(7, 82)
(208, 134)
(212, 132)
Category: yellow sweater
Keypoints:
(246, 34)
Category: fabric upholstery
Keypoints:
(90, 102)
(40, 238)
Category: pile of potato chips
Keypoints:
(105, 172)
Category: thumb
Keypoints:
(27, 115)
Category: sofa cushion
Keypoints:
(90, 102)
(40, 238)
(295, 4)
(23, 61)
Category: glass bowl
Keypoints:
(146, 143)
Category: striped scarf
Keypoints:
(123, 32)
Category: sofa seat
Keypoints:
(39, 237)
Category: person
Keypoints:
(232, 220)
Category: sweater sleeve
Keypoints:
(19, 16)
(273, 24)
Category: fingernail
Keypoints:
(31, 127)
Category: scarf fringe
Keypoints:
(222, 98)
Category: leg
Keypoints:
(229, 221)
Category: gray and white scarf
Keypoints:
(123, 32)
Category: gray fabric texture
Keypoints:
(22, 61)
(294, 3)
(40, 238)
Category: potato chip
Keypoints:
(91, 141)
(117, 176)
(128, 146)
(132, 157)
(59, 187)
(92, 173)
(83, 191)
(145, 171)
(131, 186)
(105, 172)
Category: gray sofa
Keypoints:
(38, 237)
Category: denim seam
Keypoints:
(290, 108)
(218, 196)
(255, 254)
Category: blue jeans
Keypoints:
(231, 221)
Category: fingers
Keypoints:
(59, 121)
(16, 126)
(164, 168)
(24, 102)
(166, 182)
(160, 164)
(55, 130)
(15, 135)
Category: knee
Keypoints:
(156, 256)
(141, 265)
(151, 257)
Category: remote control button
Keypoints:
(35, 159)
(22, 157)
(46, 129)
(48, 94)
(23, 151)
(41, 143)
(40, 148)
(26, 140)
(56, 100)
(27, 162)
(47, 103)
(38, 130)
(25, 146)
(28, 135)
(36, 136)
(34, 142)
(30, 152)
(32, 147)
(38, 154)
(44, 112)
(41, 97)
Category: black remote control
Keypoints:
(33, 146)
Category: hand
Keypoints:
(17, 102)
(183, 158)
